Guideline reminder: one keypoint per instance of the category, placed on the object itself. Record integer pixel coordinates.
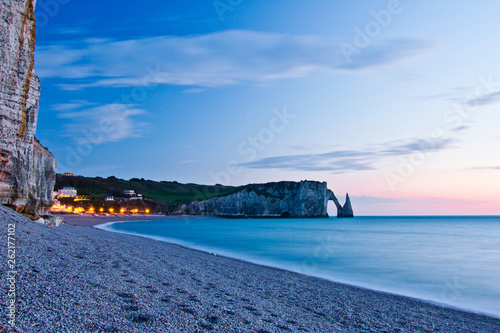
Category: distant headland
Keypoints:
(78, 194)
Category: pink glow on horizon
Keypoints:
(427, 206)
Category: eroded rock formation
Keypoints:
(281, 199)
(342, 211)
(27, 169)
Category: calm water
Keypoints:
(450, 260)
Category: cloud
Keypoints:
(448, 201)
(215, 59)
(99, 124)
(398, 149)
(74, 105)
(193, 91)
(310, 163)
(341, 161)
(462, 95)
(71, 30)
(486, 168)
(364, 200)
(460, 128)
(487, 99)
(384, 53)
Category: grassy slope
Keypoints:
(162, 196)
(169, 193)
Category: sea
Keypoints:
(449, 260)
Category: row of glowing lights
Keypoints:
(91, 210)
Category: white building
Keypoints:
(109, 197)
(129, 193)
(67, 192)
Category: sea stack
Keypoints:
(347, 209)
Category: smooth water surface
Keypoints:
(450, 260)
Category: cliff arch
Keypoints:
(342, 211)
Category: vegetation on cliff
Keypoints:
(166, 195)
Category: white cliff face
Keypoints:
(27, 170)
(282, 199)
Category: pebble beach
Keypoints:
(80, 279)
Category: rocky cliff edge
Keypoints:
(281, 199)
(27, 169)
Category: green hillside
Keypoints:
(167, 194)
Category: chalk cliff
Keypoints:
(27, 169)
(281, 199)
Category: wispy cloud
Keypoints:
(193, 91)
(485, 168)
(215, 59)
(385, 52)
(364, 200)
(71, 30)
(448, 201)
(99, 124)
(341, 161)
(485, 99)
(461, 95)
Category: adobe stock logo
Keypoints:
(372, 29)
(47, 9)
(224, 6)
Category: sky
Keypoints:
(396, 102)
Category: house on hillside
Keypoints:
(130, 193)
(138, 196)
(67, 192)
(82, 198)
(109, 197)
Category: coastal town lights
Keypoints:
(78, 210)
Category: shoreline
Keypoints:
(91, 221)
(194, 247)
(84, 279)
(109, 220)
